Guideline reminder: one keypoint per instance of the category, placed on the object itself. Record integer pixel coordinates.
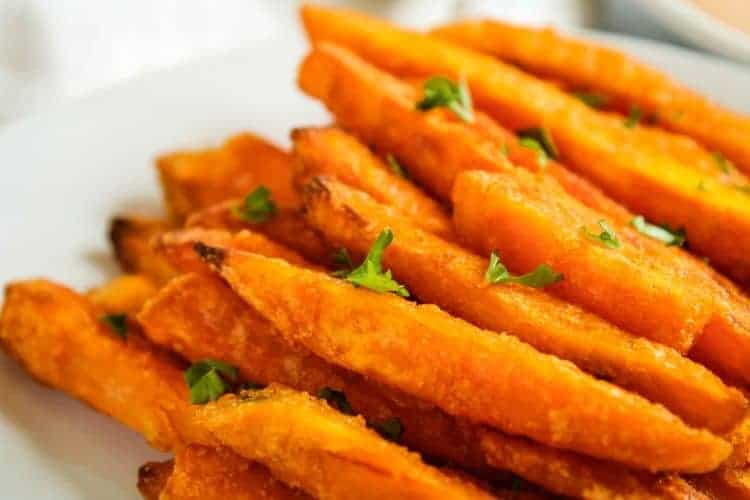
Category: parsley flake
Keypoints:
(543, 138)
(634, 117)
(534, 145)
(258, 206)
(396, 167)
(336, 399)
(390, 429)
(540, 277)
(209, 379)
(118, 323)
(343, 262)
(607, 237)
(660, 233)
(370, 273)
(722, 162)
(440, 91)
(591, 99)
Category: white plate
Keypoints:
(65, 172)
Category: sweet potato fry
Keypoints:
(123, 294)
(435, 146)
(172, 320)
(716, 216)
(582, 64)
(131, 238)
(333, 152)
(442, 273)
(504, 382)
(308, 444)
(287, 227)
(152, 477)
(208, 473)
(61, 342)
(198, 179)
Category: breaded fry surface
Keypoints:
(516, 388)
(308, 444)
(123, 294)
(152, 477)
(442, 273)
(207, 473)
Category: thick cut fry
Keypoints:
(333, 152)
(435, 146)
(124, 294)
(131, 239)
(173, 321)
(442, 273)
(582, 64)
(199, 179)
(307, 444)
(503, 382)
(208, 473)
(152, 477)
(60, 341)
(716, 216)
(287, 227)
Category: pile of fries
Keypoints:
(513, 268)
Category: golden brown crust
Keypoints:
(152, 477)
(132, 240)
(123, 294)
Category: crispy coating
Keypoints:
(152, 477)
(582, 63)
(61, 342)
(308, 444)
(442, 273)
(172, 320)
(469, 372)
(123, 294)
(434, 146)
(131, 238)
(287, 227)
(716, 216)
(332, 151)
(208, 473)
(192, 180)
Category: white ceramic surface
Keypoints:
(66, 171)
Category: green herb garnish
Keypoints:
(209, 379)
(118, 323)
(540, 277)
(390, 429)
(661, 233)
(533, 144)
(258, 206)
(396, 167)
(722, 162)
(336, 399)
(607, 237)
(370, 273)
(634, 116)
(591, 99)
(343, 262)
(542, 137)
(440, 91)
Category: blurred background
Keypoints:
(55, 50)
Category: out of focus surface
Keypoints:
(51, 51)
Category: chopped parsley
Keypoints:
(118, 323)
(591, 99)
(722, 162)
(660, 233)
(209, 379)
(343, 262)
(607, 237)
(257, 207)
(396, 167)
(440, 91)
(540, 277)
(390, 429)
(336, 399)
(543, 138)
(370, 273)
(533, 144)
(634, 117)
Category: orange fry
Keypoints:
(334, 152)
(131, 238)
(715, 215)
(504, 382)
(198, 179)
(442, 273)
(582, 64)
(123, 294)
(207, 473)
